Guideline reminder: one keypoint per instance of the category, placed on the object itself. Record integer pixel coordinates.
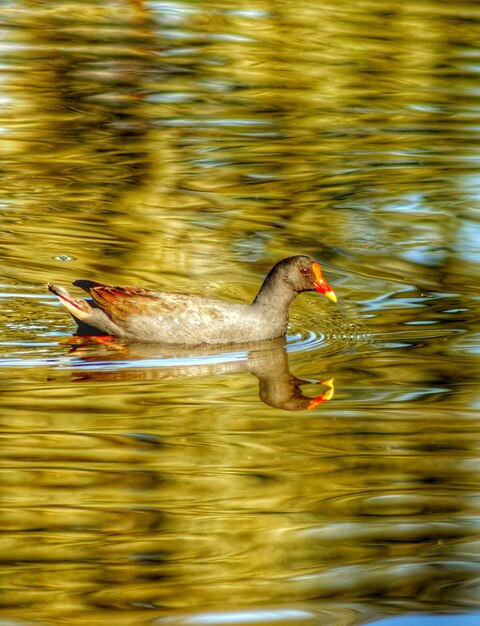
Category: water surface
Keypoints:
(329, 479)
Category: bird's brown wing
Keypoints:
(120, 302)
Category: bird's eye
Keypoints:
(304, 270)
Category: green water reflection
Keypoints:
(189, 146)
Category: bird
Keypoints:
(135, 314)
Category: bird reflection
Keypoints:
(266, 360)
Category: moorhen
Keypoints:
(147, 316)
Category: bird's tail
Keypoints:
(79, 308)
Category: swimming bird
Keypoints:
(147, 316)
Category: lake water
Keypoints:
(329, 480)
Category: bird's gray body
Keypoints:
(143, 315)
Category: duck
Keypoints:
(136, 314)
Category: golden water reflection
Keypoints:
(232, 508)
(188, 146)
(266, 360)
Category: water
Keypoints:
(329, 479)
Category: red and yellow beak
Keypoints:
(321, 285)
(326, 396)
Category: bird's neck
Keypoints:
(275, 296)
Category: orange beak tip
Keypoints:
(331, 295)
(326, 290)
